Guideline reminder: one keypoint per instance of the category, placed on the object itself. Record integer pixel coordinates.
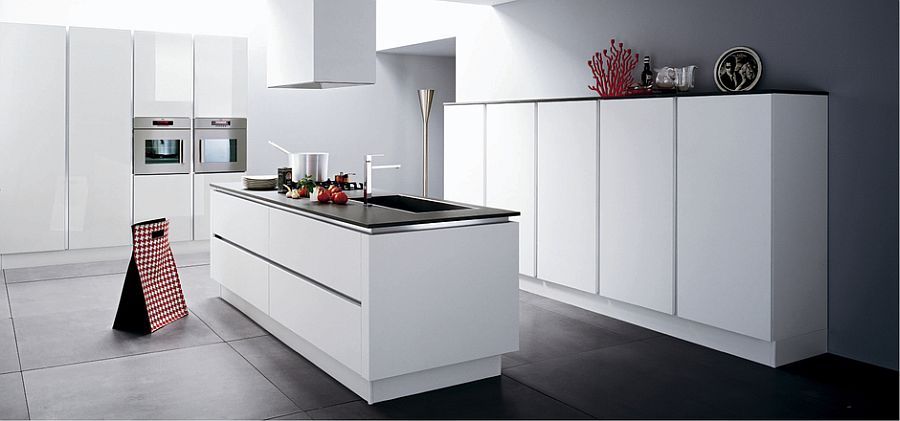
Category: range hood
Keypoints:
(319, 44)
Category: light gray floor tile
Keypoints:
(72, 270)
(191, 259)
(306, 385)
(75, 337)
(295, 416)
(227, 321)
(197, 284)
(65, 295)
(12, 397)
(208, 382)
(4, 302)
(9, 357)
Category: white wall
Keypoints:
(407, 22)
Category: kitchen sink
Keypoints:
(411, 204)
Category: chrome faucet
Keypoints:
(367, 191)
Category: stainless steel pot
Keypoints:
(314, 164)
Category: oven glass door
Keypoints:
(162, 152)
(220, 150)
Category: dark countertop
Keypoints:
(372, 217)
(660, 94)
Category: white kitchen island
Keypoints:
(388, 302)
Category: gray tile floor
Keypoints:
(59, 358)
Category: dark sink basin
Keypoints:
(411, 204)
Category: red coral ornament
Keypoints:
(612, 71)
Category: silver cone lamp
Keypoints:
(425, 98)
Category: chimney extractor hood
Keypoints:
(317, 44)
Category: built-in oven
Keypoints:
(220, 145)
(162, 145)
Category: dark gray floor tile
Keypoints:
(295, 416)
(227, 321)
(495, 398)
(66, 338)
(632, 332)
(507, 361)
(12, 397)
(306, 385)
(208, 382)
(545, 334)
(197, 284)
(9, 357)
(71, 270)
(191, 259)
(65, 295)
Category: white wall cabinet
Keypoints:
(165, 196)
(567, 215)
(33, 117)
(201, 200)
(752, 189)
(464, 153)
(637, 202)
(220, 76)
(163, 74)
(99, 88)
(509, 170)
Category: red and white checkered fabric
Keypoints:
(159, 276)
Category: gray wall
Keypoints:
(349, 123)
(539, 48)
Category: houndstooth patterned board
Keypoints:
(159, 276)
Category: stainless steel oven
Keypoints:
(220, 145)
(162, 145)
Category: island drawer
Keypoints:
(242, 273)
(330, 322)
(325, 253)
(240, 221)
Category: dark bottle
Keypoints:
(647, 74)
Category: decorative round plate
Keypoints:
(738, 69)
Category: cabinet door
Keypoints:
(724, 212)
(33, 118)
(165, 196)
(163, 74)
(509, 170)
(220, 76)
(464, 153)
(637, 202)
(201, 200)
(242, 273)
(567, 194)
(99, 138)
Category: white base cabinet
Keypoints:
(387, 315)
(567, 215)
(33, 117)
(165, 196)
(201, 200)
(99, 138)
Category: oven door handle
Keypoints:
(200, 150)
(181, 152)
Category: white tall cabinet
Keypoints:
(752, 224)
(509, 169)
(637, 202)
(163, 74)
(33, 117)
(220, 76)
(567, 214)
(201, 200)
(464, 153)
(165, 196)
(100, 84)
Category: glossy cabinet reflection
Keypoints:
(163, 74)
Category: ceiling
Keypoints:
(439, 48)
(484, 2)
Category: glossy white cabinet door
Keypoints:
(99, 138)
(637, 202)
(165, 196)
(33, 118)
(567, 161)
(464, 153)
(220, 76)
(201, 200)
(242, 273)
(163, 74)
(725, 212)
(509, 170)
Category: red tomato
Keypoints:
(339, 198)
(323, 196)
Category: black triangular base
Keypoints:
(132, 314)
